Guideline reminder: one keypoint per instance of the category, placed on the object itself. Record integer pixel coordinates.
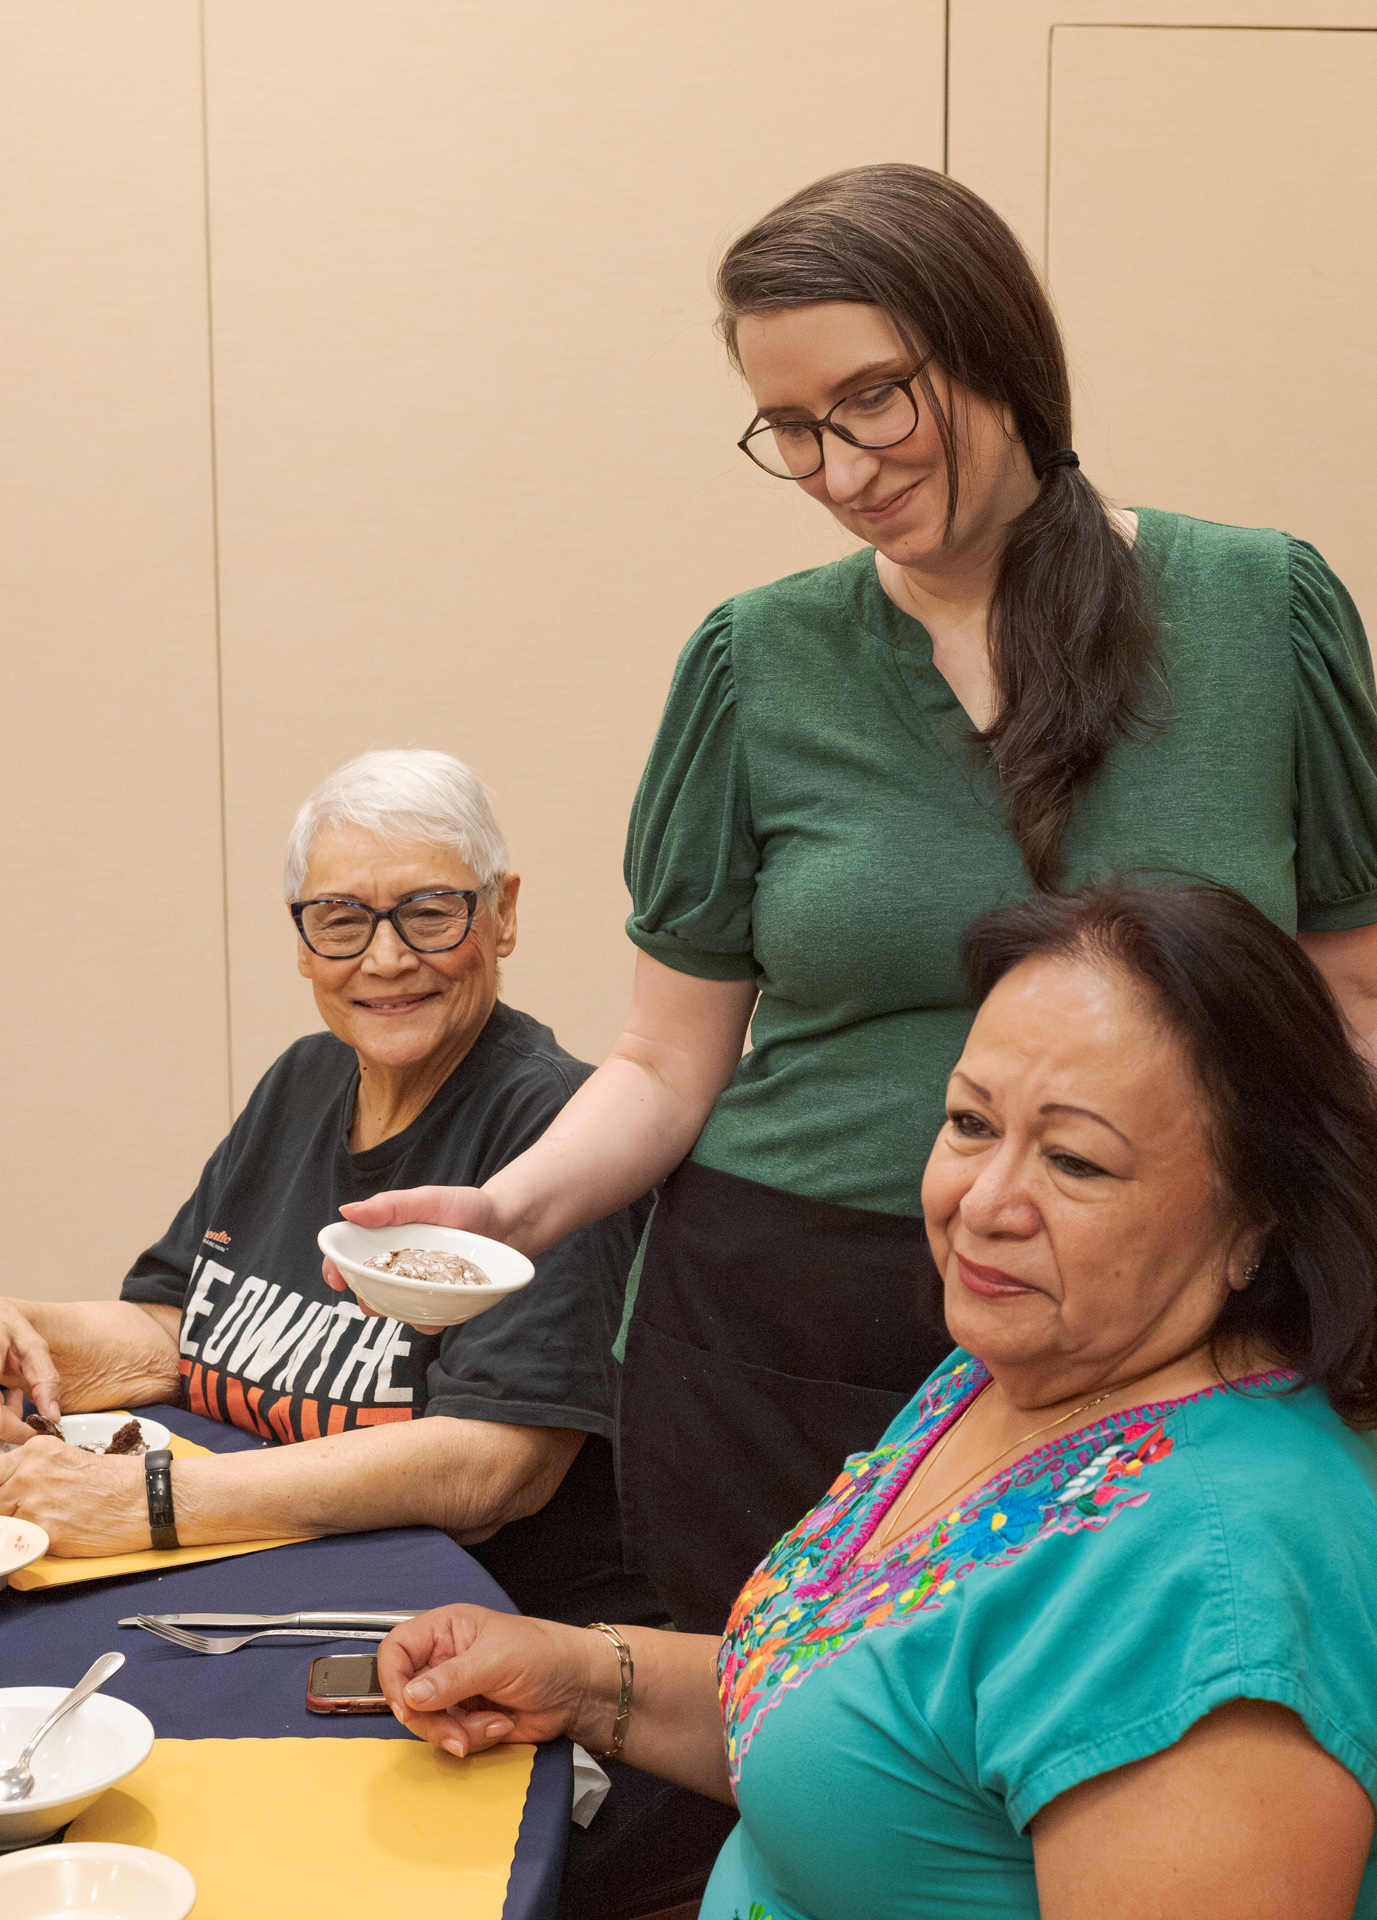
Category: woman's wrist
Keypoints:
(593, 1722)
(519, 1204)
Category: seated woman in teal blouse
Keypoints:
(1094, 1628)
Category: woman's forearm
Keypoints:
(623, 1132)
(626, 1128)
(637, 1117)
(675, 1729)
(102, 1353)
(1348, 962)
(468, 1477)
(465, 1678)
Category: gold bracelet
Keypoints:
(624, 1697)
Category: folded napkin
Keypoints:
(320, 1828)
(51, 1571)
(591, 1788)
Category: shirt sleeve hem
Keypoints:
(517, 1413)
(152, 1291)
(1359, 910)
(672, 952)
(1161, 1730)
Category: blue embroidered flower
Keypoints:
(1002, 1524)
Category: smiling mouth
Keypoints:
(883, 511)
(990, 1282)
(399, 1003)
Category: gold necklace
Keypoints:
(890, 1531)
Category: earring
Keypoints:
(1250, 1273)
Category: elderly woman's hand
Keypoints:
(26, 1366)
(465, 1678)
(86, 1503)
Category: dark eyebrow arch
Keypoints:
(873, 374)
(957, 1074)
(1064, 1106)
(1052, 1106)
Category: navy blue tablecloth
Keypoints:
(48, 1637)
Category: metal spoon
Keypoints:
(16, 1782)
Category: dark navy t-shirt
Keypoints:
(266, 1345)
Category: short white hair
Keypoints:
(399, 794)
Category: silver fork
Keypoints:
(231, 1643)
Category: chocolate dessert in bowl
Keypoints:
(426, 1276)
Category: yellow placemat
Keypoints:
(321, 1828)
(51, 1571)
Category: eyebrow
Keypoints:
(1051, 1106)
(873, 373)
(1088, 1113)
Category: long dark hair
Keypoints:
(1293, 1108)
(1072, 634)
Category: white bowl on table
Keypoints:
(99, 1429)
(21, 1543)
(425, 1303)
(98, 1743)
(98, 1880)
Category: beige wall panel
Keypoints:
(1000, 52)
(1213, 250)
(477, 473)
(114, 964)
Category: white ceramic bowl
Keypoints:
(94, 1747)
(96, 1880)
(99, 1429)
(21, 1543)
(425, 1303)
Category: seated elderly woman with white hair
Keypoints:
(397, 879)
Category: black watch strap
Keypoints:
(162, 1518)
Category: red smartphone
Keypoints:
(344, 1683)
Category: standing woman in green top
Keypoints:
(1011, 686)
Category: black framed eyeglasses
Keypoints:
(876, 417)
(342, 929)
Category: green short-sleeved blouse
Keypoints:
(812, 817)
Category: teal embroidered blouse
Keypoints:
(894, 1725)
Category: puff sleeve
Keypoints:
(691, 857)
(1336, 752)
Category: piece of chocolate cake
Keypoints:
(48, 1428)
(127, 1439)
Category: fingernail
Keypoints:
(496, 1728)
(417, 1692)
(456, 1747)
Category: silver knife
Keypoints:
(345, 1619)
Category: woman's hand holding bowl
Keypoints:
(472, 1209)
(465, 1678)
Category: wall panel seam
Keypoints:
(1206, 26)
(946, 87)
(215, 576)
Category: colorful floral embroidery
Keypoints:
(811, 1599)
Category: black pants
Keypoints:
(651, 1845)
(771, 1337)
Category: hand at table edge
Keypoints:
(466, 1679)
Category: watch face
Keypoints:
(162, 1519)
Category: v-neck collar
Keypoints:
(928, 706)
(904, 637)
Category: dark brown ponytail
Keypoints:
(1073, 639)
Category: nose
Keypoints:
(846, 470)
(386, 953)
(998, 1204)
